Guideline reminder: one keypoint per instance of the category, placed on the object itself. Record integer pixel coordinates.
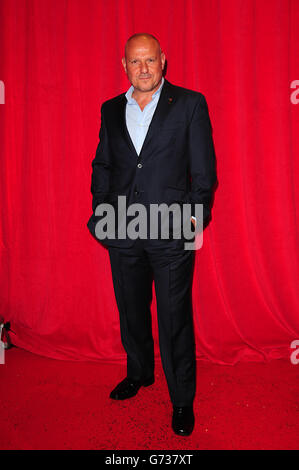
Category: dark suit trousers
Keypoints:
(171, 268)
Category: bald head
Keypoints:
(144, 62)
(143, 37)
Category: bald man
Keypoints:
(155, 147)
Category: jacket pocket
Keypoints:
(175, 194)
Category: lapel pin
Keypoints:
(169, 100)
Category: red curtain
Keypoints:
(60, 59)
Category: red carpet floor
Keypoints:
(48, 404)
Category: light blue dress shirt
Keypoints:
(138, 121)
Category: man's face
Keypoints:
(144, 64)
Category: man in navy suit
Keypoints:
(155, 147)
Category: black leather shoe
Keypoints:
(183, 420)
(128, 388)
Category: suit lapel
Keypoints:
(123, 126)
(166, 100)
(163, 107)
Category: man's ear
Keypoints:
(163, 60)
(123, 60)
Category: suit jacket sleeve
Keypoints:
(101, 167)
(201, 158)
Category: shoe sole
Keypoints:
(184, 434)
(147, 383)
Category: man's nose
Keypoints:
(144, 67)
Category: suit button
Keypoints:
(136, 193)
(139, 165)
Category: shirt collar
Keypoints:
(129, 93)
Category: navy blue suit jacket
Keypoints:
(176, 162)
